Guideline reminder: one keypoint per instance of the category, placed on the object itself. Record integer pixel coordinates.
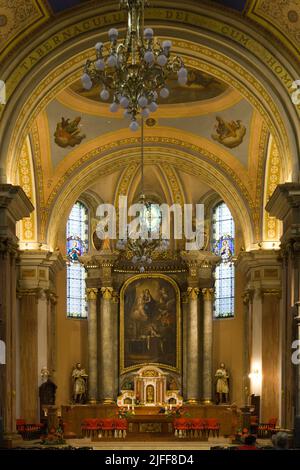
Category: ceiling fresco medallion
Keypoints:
(67, 133)
(229, 133)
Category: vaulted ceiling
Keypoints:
(214, 134)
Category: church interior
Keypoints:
(110, 340)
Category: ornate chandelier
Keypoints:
(134, 72)
(149, 238)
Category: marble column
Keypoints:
(107, 347)
(261, 323)
(247, 335)
(36, 322)
(92, 344)
(193, 347)
(207, 345)
(200, 275)
(14, 205)
(284, 204)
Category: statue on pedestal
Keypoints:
(79, 377)
(222, 387)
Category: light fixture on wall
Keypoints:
(256, 380)
(133, 72)
(148, 238)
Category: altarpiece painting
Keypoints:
(150, 322)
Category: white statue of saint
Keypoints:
(222, 387)
(79, 377)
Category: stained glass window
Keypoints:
(77, 245)
(223, 246)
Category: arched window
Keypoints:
(223, 245)
(77, 245)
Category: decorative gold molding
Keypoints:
(281, 18)
(197, 145)
(81, 104)
(27, 181)
(22, 17)
(91, 294)
(208, 294)
(271, 226)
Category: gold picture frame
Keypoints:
(147, 277)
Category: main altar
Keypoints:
(149, 344)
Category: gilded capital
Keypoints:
(107, 292)
(91, 293)
(193, 293)
(208, 293)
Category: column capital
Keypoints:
(107, 292)
(91, 293)
(7, 245)
(248, 296)
(193, 292)
(208, 293)
(51, 296)
(36, 292)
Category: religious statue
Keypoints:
(222, 387)
(150, 394)
(79, 377)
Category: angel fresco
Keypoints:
(67, 133)
(229, 133)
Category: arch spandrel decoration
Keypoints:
(150, 323)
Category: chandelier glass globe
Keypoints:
(133, 72)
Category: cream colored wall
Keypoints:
(71, 341)
(228, 345)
